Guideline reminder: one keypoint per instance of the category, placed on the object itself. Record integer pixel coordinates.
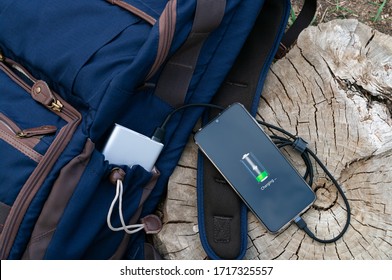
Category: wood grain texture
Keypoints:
(334, 89)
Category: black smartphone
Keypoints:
(255, 168)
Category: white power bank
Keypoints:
(128, 147)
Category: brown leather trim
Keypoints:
(12, 75)
(7, 124)
(4, 211)
(56, 203)
(152, 224)
(167, 26)
(41, 93)
(146, 192)
(133, 10)
(18, 145)
(20, 69)
(68, 113)
(176, 76)
(36, 179)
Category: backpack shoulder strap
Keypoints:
(221, 214)
(176, 76)
(304, 19)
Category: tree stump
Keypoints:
(334, 89)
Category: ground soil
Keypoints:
(374, 13)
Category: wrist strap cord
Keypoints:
(296, 143)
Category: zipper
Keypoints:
(23, 71)
(20, 146)
(12, 75)
(26, 133)
(36, 179)
(36, 131)
(7, 123)
(167, 25)
(13, 129)
(40, 91)
(53, 101)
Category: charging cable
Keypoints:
(158, 136)
(298, 144)
(159, 133)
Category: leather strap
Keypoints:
(4, 211)
(303, 20)
(224, 220)
(222, 216)
(176, 76)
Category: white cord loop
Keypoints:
(130, 229)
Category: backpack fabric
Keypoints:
(71, 69)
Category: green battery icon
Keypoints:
(255, 168)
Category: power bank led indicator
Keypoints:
(254, 167)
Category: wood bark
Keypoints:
(334, 89)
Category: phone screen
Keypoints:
(251, 163)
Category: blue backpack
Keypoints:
(70, 70)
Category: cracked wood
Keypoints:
(334, 89)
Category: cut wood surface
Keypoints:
(334, 89)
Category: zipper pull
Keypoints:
(42, 93)
(37, 131)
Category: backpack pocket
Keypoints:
(84, 192)
(17, 154)
(35, 127)
(49, 179)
